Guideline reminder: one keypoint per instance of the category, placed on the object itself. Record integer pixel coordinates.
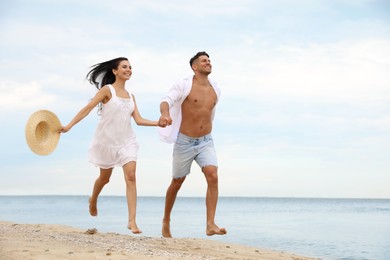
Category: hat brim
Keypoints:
(42, 132)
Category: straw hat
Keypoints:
(41, 132)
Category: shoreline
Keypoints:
(42, 241)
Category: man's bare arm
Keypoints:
(165, 118)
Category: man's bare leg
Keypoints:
(170, 199)
(211, 175)
(102, 180)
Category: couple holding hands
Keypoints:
(187, 112)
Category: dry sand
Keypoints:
(41, 241)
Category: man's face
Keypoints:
(203, 65)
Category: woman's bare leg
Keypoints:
(129, 170)
(100, 182)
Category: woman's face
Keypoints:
(123, 71)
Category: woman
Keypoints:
(114, 143)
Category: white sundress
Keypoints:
(114, 143)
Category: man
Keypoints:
(188, 111)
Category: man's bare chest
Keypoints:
(202, 97)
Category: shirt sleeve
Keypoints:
(174, 98)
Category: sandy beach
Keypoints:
(41, 241)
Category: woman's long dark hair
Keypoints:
(101, 74)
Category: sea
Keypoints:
(356, 229)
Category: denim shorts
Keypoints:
(187, 149)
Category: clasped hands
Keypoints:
(165, 120)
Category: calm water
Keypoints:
(324, 228)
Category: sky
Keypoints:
(304, 110)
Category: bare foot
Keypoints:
(134, 228)
(92, 208)
(166, 230)
(215, 230)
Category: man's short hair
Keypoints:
(197, 56)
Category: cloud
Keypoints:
(305, 88)
(345, 71)
(17, 96)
